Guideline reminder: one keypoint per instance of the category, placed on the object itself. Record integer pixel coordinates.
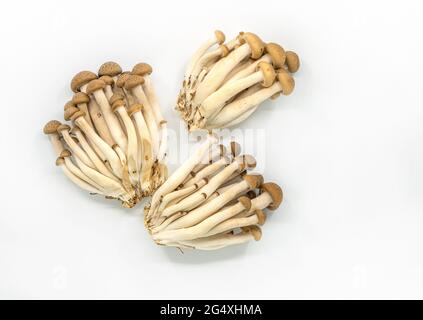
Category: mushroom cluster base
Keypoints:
(225, 83)
(116, 142)
(211, 201)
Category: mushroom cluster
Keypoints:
(116, 142)
(210, 201)
(225, 83)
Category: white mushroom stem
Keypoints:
(132, 153)
(56, 143)
(148, 113)
(261, 202)
(78, 173)
(108, 152)
(84, 108)
(202, 212)
(180, 174)
(207, 171)
(238, 107)
(248, 69)
(112, 121)
(217, 75)
(93, 155)
(99, 123)
(166, 222)
(75, 148)
(201, 229)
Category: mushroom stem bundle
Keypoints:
(222, 207)
(116, 143)
(226, 82)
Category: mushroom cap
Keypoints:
(120, 82)
(77, 114)
(141, 69)
(225, 50)
(109, 68)
(65, 153)
(268, 72)
(235, 148)
(68, 104)
(108, 80)
(246, 161)
(79, 98)
(286, 80)
(220, 36)
(63, 127)
(95, 85)
(245, 201)
(255, 43)
(115, 97)
(261, 216)
(255, 231)
(275, 193)
(69, 112)
(277, 53)
(60, 161)
(82, 78)
(292, 61)
(254, 180)
(117, 103)
(134, 108)
(133, 81)
(51, 127)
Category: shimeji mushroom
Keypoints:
(109, 149)
(219, 77)
(221, 208)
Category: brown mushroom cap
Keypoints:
(245, 201)
(286, 80)
(292, 61)
(115, 97)
(63, 127)
(269, 73)
(68, 104)
(82, 78)
(77, 114)
(235, 148)
(133, 81)
(225, 50)
(60, 161)
(109, 68)
(254, 230)
(254, 180)
(247, 161)
(80, 97)
(135, 108)
(261, 216)
(275, 193)
(220, 36)
(120, 82)
(51, 127)
(69, 112)
(277, 53)
(95, 85)
(107, 80)
(117, 103)
(65, 153)
(141, 69)
(255, 43)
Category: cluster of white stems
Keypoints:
(225, 83)
(211, 201)
(116, 142)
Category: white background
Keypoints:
(346, 147)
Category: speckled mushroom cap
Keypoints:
(80, 97)
(77, 115)
(275, 193)
(292, 61)
(95, 85)
(82, 78)
(142, 69)
(115, 97)
(51, 127)
(133, 81)
(269, 73)
(107, 80)
(254, 231)
(255, 43)
(246, 202)
(254, 180)
(220, 36)
(68, 104)
(277, 53)
(286, 80)
(120, 82)
(109, 68)
(69, 112)
(63, 127)
(135, 108)
(117, 103)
